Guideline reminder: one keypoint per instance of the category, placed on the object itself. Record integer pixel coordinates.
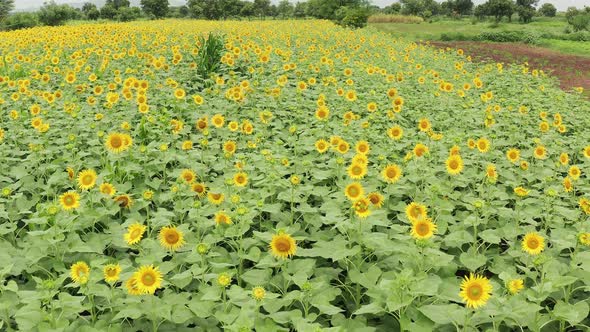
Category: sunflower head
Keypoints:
(416, 211)
(80, 272)
(454, 164)
(533, 243)
(283, 246)
(354, 191)
(391, 173)
(87, 179)
(240, 179)
(147, 279)
(475, 291)
(70, 200)
(111, 273)
(258, 293)
(515, 285)
(361, 207)
(134, 233)
(171, 238)
(423, 229)
(124, 201)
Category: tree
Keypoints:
(5, 7)
(156, 8)
(209, 9)
(463, 7)
(285, 9)
(247, 10)
(412, 7)
(394, 8)
(526, 10)
(481, 11)
(90, 11)
(126, 14)
(548, 10)
(53, 14)
(117, 3)
(300, 9)
(500, 8)
(108, 12)
(262, 7)
(21, 21)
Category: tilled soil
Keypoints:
(571, 70)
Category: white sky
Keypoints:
(560, 4)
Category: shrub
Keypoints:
(581, 22)
(209, 56)
(53, 14)
(406, 19)
(21, 21)
(354, 18)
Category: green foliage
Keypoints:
(405, 19)
(208, 59)
(352, 17)
(90, 11)
(581, 22)
(53, 14)
(5, 8)
(548, 10)
(155, 8)
(20, 21)
(126, 14)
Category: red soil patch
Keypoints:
(571, 70)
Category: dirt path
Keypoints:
(572, 71)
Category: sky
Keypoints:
(560, 4)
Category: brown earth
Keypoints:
(571, 70)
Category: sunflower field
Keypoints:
(285, 176)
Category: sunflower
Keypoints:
(540, 152)
(80, 272)
(471, 143)
(186, 145)
(199, 188)
(71, 173)
(567, 184)
(343, 147)
(584, 239)
(171, 238)
(218, 120)
(131, 286)
(221, 218)
(521, 192)
(258, 293)
(424, 125)
(69, 200)
(362, 147)
(564, 159)
(147, 279)
(391, 173)
(395, 133)
(322, 146)
(376, 199)
(357, 171)
(455, 150)
(454, 164)
(416, 211)
(134, 233)
(475, 290)
(533, 243)
(87, 179)
(124, 201)
(111, 273)
(491, 173)
(513, 155)
(354, 191)
(107, 189)
(223, 280)
(574, 172)
(361, 207)
(420, 150)
(215, 198)
(241, 179)
(283, 246)
(322, 113)
(116, 143)
(584, 204)
(515, 285)
(423, 229)
(586, 151)
(188, 175)
(229, 147)
(483, 145)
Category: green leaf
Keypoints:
(572, 313)
(336, 249)
(444, 313)
(472, 260)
